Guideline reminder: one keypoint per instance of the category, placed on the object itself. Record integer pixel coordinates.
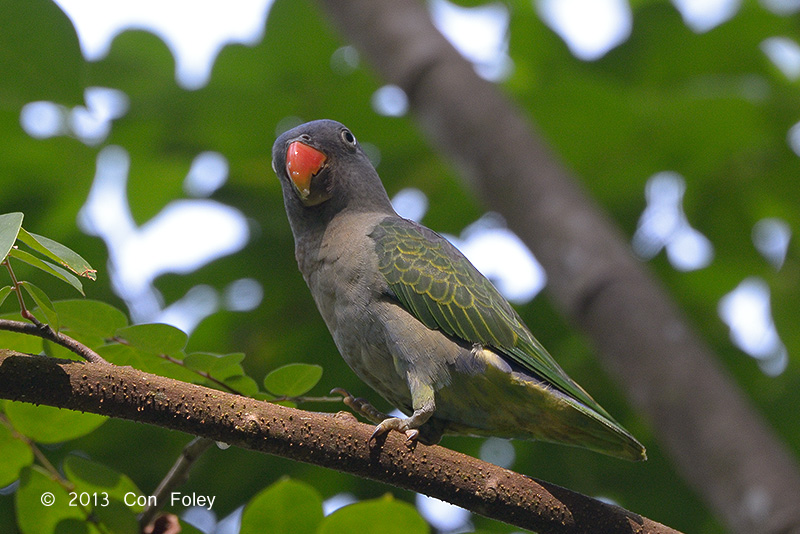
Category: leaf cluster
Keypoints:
(68, 264)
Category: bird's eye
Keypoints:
(348, 138)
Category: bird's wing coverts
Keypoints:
(442, 289)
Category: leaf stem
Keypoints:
(15, 287)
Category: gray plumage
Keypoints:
(414, 319)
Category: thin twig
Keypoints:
(42, 330)
(45, 332)
(177, 475)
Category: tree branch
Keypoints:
(335, 441)
(715, 438)
(44, 331)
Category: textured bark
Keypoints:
(336, 441)
(716, 439)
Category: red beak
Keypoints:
(302, 163)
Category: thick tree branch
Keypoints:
(336, 441)
(716, 439)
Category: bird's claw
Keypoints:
(395, 423)
(412, 434)
(385, 423)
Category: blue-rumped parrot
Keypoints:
(415, 319)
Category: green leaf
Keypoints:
(228, 365)
(41, 65)
(122, 355)
(155, 338)
(90, 317)
(47, 267)
(92, 477)
(43, 301)
(286, 507)
(33, 517)
(243, 384)
(389, 515)
(4, 292)
(58, 252)
(46, 424)
(158, 366)
(200, 361)
(293, 379)
(10, 225)
(15, 453)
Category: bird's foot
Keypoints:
(385, 423)
(361, 406)
(395, 423)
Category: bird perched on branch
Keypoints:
(415, 319)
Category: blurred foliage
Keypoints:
(710, 106)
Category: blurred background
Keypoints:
(139, 134)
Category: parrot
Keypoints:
(414, 319)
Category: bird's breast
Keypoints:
(342, 273)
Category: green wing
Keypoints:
(437, 284)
